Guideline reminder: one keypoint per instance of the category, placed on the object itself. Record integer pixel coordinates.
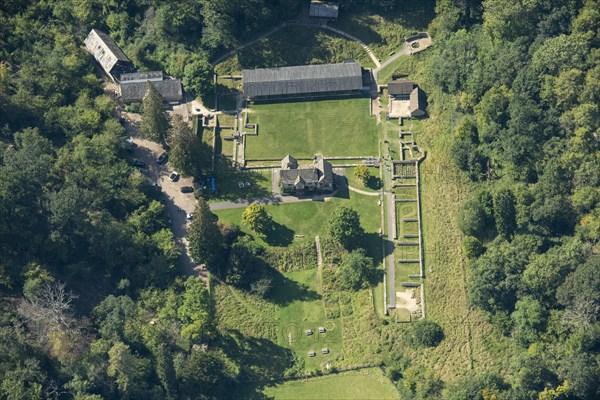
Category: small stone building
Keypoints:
(406, 100)
(295, 178)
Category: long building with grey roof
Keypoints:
(302, 81)
(110, 57)
(135, 90)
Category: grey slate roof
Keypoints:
(400, 87)
(323, 10)
(170, 90)
(325, 78)
(417, 100)
(289, 162)
(320, 171)
(325, 170)
(105, 50)
(142, 76)
(304, 175)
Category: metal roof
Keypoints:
(105, 50)
(323, 10)
(170, 90)
(400, 87)
(304, 79)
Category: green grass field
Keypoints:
(364, 384)
(372, 184)
(341, 127)
(302, 221)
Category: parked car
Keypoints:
(162, 158)
(189, 216)
(187, 189)
(139, 164)
(174, 177)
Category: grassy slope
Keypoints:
(384, 31)
(340, 127)
(470, 343)
(372, 383)
(295, 46)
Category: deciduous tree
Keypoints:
(344, 226)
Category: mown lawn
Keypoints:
(341, 127)
(299, 294)
(364, 384)
(298, 222)
(372, 184)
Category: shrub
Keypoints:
(472, 247)
(427, 333)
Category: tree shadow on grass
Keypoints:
(233, 184)
(259, 358)
(372, 243)
(279, 235)
(286, 291)
(373, 182)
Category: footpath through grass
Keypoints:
(364, 384)
(340, 127)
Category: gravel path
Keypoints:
(176, 203)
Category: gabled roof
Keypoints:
(289, 162)
(325, 170)
(170, 90)
(302, 79)
(323, 10)
(300, 175)
(417, 100)
(320, 171)
(104, 50)
(399, 87)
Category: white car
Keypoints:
(174, 177)
(189, 216)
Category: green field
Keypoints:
(302, 221)
(341, 127)
(364, 384)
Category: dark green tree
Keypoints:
(155, 120)
(505, 212)
(356, 270)
(472, 247)
(426, 333)
(344, 226)
(188, 155)
(205, 238)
